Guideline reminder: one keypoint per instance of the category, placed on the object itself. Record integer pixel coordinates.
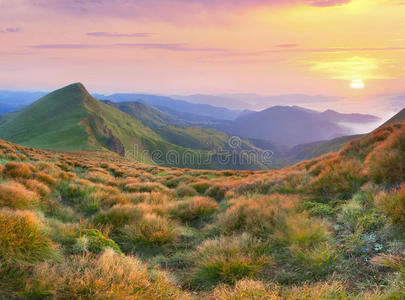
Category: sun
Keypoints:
(357, 84)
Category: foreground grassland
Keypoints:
(93, 225)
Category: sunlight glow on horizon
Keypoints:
(357, 84)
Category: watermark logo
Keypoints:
(235, 142)
(237, 155)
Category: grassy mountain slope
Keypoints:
(149, 116)
(399, 117)
(94, 225)
(312, 150)
(176, 131)
(51, 122)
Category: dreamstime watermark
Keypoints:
(234, 153)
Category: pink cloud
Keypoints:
(286, 45)
(165, 9)
(178, 47)
(326, 3)
(10, 30)
(118, 35)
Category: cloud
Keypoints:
(364, 68)
(118, 35)
(171, 10)
(65, 46)
(334, 49)
(286, 45)
(326, 3)
(179, 47)
(10, 30)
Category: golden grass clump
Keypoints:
(201, 186)
(18, 170)
(146, 187)
(386, 164)
(38, 187)
(108, 276)
(23, 237)
(246, 289)
(227, 260)
(308, 243)
(303, 231)
(319, 291)
(338, 180)
(185, 190)
(259, 215)
(149, 198)
(393, 205)
(46, 178)
(150, 230)
(217, 191)
(15, 195)
(67, 176)
(99, 177)
(194, 208)
(118, 216)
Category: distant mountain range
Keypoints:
(254, 101)
(168, 105)
(292, 125)
(12, 100)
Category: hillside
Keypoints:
(52, 122)
(96, 225)
(313, 150)
(71, 119)
(399, 117)
(179, 132)
(148, 115)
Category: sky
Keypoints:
(266, 47)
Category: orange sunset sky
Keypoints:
(206, 46)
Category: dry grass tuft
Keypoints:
(258, 215)
(109, 276)
(46, 178)
(18, 170)
(23, 237)
(15, 195)
(246, 289)
(194, 208)
(185, 190)
(228, 259)
(150, 230)
(38, 187)
(393, 205)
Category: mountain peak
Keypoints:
(77, 86)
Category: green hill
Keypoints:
(51, 122)
(179, 132)
(312, 150)
(149, 116)
(71, 119)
